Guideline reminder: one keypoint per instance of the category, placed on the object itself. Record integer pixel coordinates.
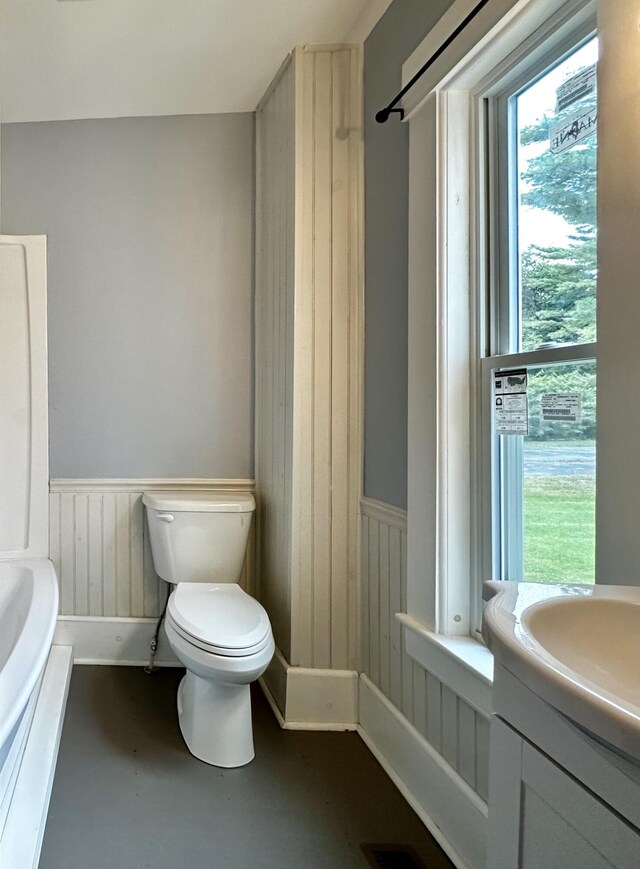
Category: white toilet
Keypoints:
(221, 634)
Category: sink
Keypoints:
(577, 647)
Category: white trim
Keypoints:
(113, 641)
(386, 513)
(455, 344)
(321, 699)
(272, 703)
(452, 812)
(367, 20)
(305, 698)
(24, 830)
(153, 484)
(462, 663)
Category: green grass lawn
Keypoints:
(559, 529)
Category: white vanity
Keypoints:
(564, 785)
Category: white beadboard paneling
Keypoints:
(449, 716)
(467, 747)
(374, 601)
(98, 542)
(452, 727)
(395, 632)
(364, 597)
(308, 309)
(482, 756)
(275, 239)
(96, 586)
(434, 716)
(384, 617)
(419, 699)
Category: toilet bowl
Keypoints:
(220, 633)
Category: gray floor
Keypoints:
(128, 795)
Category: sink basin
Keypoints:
(578, 648)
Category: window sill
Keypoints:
(461, 663)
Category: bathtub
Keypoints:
(28, 611)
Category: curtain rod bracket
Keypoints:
(383, 115)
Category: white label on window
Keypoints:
(561, 406)
(572, 130)
(511, 415)
(578, 86)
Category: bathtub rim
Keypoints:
(41, 623)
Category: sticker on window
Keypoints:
(511, 415)
(575, 88)
(561, 407)
(572, 130)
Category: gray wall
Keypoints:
(150, 228)
(397, 34)
(618, 481)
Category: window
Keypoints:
(538, 365)
(501, 282)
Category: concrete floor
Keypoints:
(128, 795)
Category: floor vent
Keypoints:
(392, 857)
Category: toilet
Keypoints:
(220, 633)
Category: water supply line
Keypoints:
(150, 669)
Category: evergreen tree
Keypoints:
(558, 284)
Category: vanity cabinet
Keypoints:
(557, 798)
(542, 818)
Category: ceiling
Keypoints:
(64, 59)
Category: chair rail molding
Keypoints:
(154, 484)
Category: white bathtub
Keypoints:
(28, 610)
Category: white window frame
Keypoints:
(504, 559)
(448, 512)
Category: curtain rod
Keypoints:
(383, 115)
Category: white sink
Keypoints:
(577, 647)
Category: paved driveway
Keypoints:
(552, 460)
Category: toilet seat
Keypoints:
(212, 649)
(219, 618)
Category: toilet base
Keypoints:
(215, 720)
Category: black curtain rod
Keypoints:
(383, 115)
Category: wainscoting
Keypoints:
(451, 726)
(430, 741)
(99, 545)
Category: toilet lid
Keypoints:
(221, 615)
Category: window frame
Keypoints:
(505, 551)
(448, 273)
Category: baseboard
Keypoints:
(24, 829)
(452, 812)
(111, 640)
(305, 698)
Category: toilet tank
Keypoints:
(198, 536)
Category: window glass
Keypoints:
(559, 467)
(544, 397)
(556, 204)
